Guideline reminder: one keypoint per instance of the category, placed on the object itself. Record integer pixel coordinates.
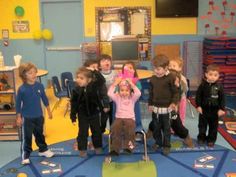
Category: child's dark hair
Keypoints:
(212, 67)
(160, 61)
(84, 71)
(25, 67)
(90, 62)
(134, 66)
(102, 57)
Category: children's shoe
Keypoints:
(155, 147)
(98, 150)
(210, 144)
(75, 146)
(149, 134)
(166, 151)
(200, 142)
(25, 162)
(90, 146)
(128, 151)
(46, 153)
(189, 142)
(114, 153)
(83, 154)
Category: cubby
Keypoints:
(9, 83)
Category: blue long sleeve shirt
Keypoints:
(28, 100)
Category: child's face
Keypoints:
(129, 67)
(31, 76)
(212, 76)
(82, 80)
(105, 64)
(124, 91)
(174, 65)
(160, 71)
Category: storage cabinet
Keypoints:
(221, 51)
(9, 83)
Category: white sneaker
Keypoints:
(25, 162)
(47, 153)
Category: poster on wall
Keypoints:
(20, 26)
(5, 37)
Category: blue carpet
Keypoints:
(180, 162)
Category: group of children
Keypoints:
(100, 91)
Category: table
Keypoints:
(144, 74)
(41, 73)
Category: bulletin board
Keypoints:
(170, 50)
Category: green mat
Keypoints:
(134, 169)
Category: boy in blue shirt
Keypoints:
(29, 112)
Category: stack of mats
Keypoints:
(222, 51)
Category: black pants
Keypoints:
(84, 123)
(106, 116)
(176, 124)
(209, 119)
(32, 126)
(161, 129)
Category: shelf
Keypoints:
(9, 112)
(9, 91)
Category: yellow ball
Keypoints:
(21, 175)
(37, 35)
(47, 34)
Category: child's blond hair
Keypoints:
(24, 68)
(179, 61)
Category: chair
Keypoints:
(144, 90)
(138, 130)
(70, 86)
(65, 76)
(141, 67)
(58, 92)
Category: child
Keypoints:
(102, 93)
(124, 124)
(177, 65)
(176, 123)
(210, 104)
(163, 99)
(105, 65)
(85, 104)
(29, 112)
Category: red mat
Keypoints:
(229, 137)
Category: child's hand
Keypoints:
(117, 80)
(150, 108)
(199, 109)
(106, 109)
(90, 68)
(19, 121)
(173, 107)
(74, 123)
(220, 113)
(50, 115)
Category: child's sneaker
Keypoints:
(189, 142)
(46, 153)
(210, 144)
(90, 146)
(25, 162)
(127, 151)
(83, 154)
(98, 150)
(113, 153)
(200, 142)
(166, 151)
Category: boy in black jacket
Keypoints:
(210, 103)
(85, 104)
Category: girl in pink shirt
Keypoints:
(123, 128)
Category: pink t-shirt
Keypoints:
(124, 106)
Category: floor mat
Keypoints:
(197, 162)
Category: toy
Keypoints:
(3, 82)
(6, 101)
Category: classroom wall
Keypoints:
(164, 31)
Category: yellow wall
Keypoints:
(7, 15)
(159, 26)
(31, 7)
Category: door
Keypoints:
(65, 20)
